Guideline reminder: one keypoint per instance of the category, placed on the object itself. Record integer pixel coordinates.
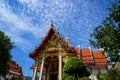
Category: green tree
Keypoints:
(70, 78)
(111, 75)
(107, 34)
(64, 75)
(5, 48)
(75, 67)
(84, 78)
(17, 78)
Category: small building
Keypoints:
(96, 62)
(15, 70)
(50, 54)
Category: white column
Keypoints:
(92, 70)
(42, 65)
(35, 71)
(60, 66)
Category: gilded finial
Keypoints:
(51, 22)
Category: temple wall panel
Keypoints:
(103, 70)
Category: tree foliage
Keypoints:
(64, 76)
(84, 78)
(70, 78)
(75, 67)
(107, 34)
(111, 75)
(17, 78)
(5, 48)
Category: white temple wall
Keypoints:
(95, 71)
(103, 70)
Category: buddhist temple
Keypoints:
(15, 70)
(50, 56)
(96, 62)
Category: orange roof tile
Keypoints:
(86, 52)
(87, 58)
(88, 62)
(98, 54)
(96, 58)
(101, 60)
(101, 64)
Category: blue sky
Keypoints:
(27, 22)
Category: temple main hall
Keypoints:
(50, 57)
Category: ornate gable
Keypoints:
(51, 43)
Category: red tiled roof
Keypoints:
(101, 60)
(86, 52)
(98, 54)
(95, 57)
(87, 58)
(89, 62)
(101, 64)
(15, 68)
(51, 31)
(12, 64)
(41, 46)
(99, 57)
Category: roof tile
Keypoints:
(86, 52)
(87, 59)
(101, 60)
(98, 54)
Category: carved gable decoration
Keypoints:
(51, 43)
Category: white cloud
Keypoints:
(19, 24)
(57, 10)
(32, 3)
(38, 19)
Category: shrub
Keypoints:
(75, 67)
(16, 78)
(84, 78)
(70, 78)
(111, 75)
(64, 75)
